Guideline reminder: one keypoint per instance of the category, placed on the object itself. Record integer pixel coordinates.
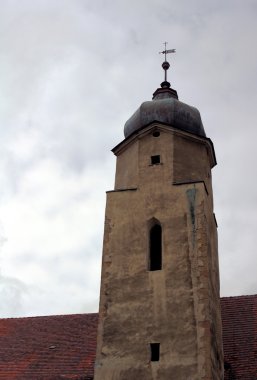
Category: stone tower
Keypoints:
(159, 314)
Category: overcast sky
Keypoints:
(72, 72)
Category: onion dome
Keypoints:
(165, 108)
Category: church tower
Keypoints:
(159, 314)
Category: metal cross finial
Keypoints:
(165, 46)
(166, 64)
(167, 51)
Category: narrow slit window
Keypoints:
(155, 259)
(155, 352)
(155, 160)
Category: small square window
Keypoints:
(155, 160)
(155, 352)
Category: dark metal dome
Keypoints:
(167, 109)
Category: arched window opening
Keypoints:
(155, 257)
(155, 352)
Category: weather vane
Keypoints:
(166, 64)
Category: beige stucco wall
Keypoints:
(177, 306)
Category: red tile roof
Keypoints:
(63, 347)
(239, 320)
(48, 348)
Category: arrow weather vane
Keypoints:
(166, 64)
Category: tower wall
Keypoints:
(177, 306)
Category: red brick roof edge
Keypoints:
(63, 346)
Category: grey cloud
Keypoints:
(72, 74)
(12, 292)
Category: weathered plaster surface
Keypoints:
(177, 306)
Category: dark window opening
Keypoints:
(227, 366)
(155, 352)
(155, 160)
(156, 134)
(229, 373)
(155, 259)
